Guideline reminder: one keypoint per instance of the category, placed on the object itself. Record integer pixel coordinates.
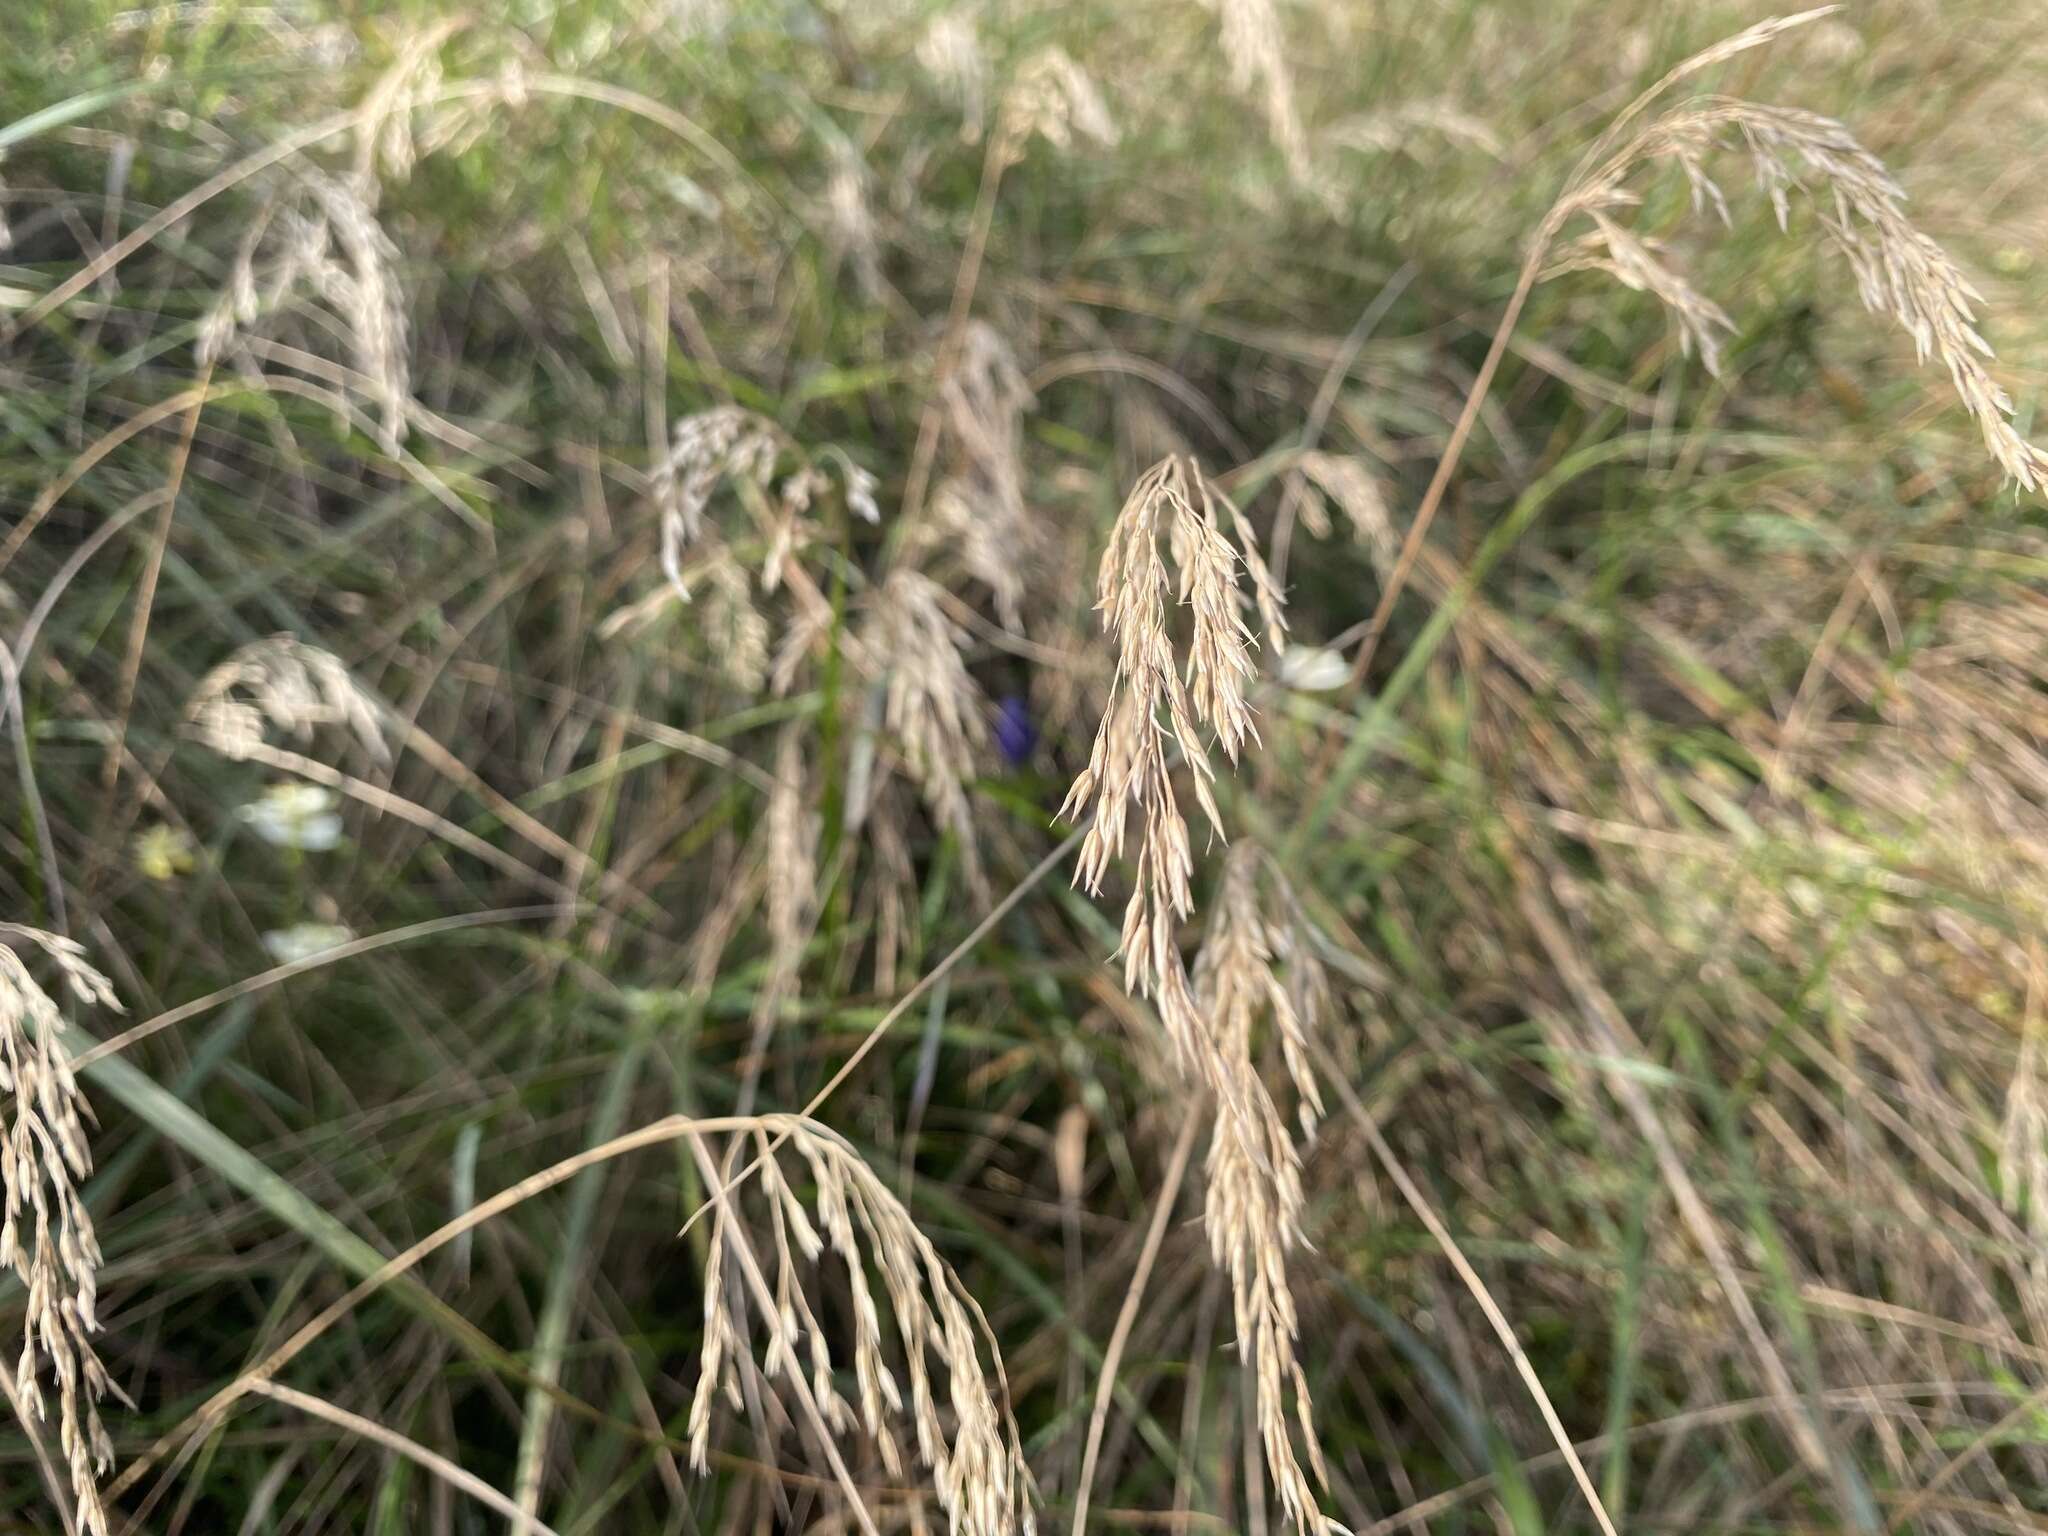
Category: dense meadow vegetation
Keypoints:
(934, 765)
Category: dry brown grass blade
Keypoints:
(1980, 1444)
(380, 799)
(145, 597)
(106, 443)
(452, 768)
(210, 1414)
(214, 1411)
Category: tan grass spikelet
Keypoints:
(792, 844)
(284, 682)
(790, 875)
(980, 507)
(850, 227)
(1640, 265)
(1151, 704)
(1900, 272)
(809, 629)
(1254, 1197)
(705, 450)
(970, 1445)
(344, 254)
(46, 1236)
(931, 704)
(1357, 491)
(322, 237)
(729, 444)
(736, 629)
(1254, 48)
(384, 134)
(1056, 99)
(1412, 127)
(239, 305)
(950, 52)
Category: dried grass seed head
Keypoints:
(1166, 551)
(1255, 49)
(979, 508)
(322, 237)
(343, 253)
(1254, 1199)
(1900, 271)
(971, 1446)
(705, 450)
(791, 858)
(46, 1231)
(1055, 98)
(931, 705)
(287, 683)
(730, 445)
(950, 52)
(850, 228)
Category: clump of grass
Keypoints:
(1699, 776)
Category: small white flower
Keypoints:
(1313, 669)
(295, 816)
(302, 941)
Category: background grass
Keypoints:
(1687, 841)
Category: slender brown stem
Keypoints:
(1105, 1384)
(1432, 499)
(1420, 1204)
(412, 1450)
(145, 596)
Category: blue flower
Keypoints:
(1015, 733)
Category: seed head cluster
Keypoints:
(1167, 551)
(1254, 1198)
(283, 682)
(966, 1437)
(1900, 271)
(46, 1232)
